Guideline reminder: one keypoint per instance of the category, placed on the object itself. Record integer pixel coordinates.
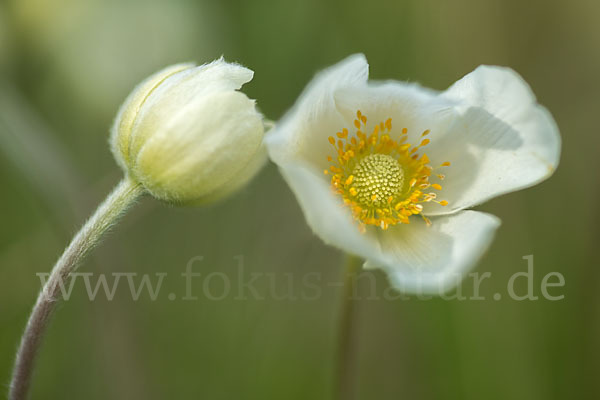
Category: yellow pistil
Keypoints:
(378, 177)
(383, 181)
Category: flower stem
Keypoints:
(107, 214)
(345, 379)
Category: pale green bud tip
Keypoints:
(188, 135)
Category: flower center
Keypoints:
(383, 181)
(377, 177)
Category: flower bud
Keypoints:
(187, 135)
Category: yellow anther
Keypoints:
(380, 178)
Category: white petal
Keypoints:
(195, 153)
(180, 92)
(408, 105)
(242, 177)
(302, 133)
(122, 127)
(433, 259)
(503, 141)
(324, 211)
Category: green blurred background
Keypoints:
(65, 67)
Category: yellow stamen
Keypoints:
(380, 178)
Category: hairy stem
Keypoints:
(107, 214)
(345, 379)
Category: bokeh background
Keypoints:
(65, 67)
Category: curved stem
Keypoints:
(344, 378)
(107, 214)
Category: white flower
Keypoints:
(353, 152)
(187, 135)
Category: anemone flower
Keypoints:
(387, 171)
